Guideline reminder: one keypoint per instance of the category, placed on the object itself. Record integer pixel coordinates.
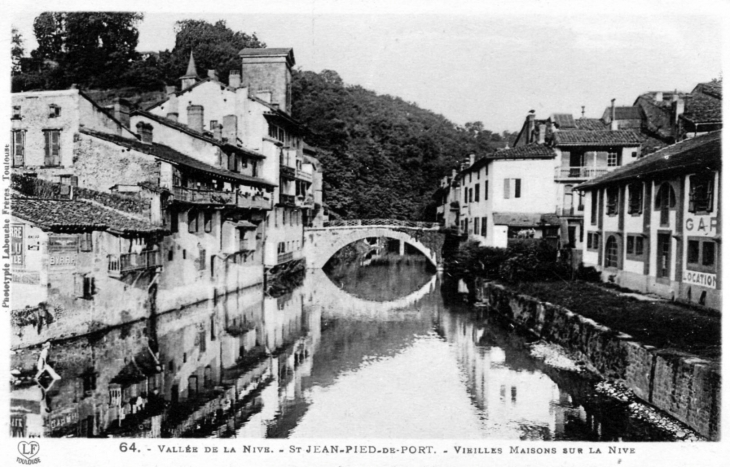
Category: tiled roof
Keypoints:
(658, 120)
(523, 219)
(702, 151)
(196, 134)
(702, 108)
(623, 113)
(596, 138)
(168, 154)
(529, 151)
(77, 215)
(591, 124)
(713, 88)
(564, 120)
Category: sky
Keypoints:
(492, 64)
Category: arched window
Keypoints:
(611, 252)
(665, 200)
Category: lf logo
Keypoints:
(29, 450)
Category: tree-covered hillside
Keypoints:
(382, 156)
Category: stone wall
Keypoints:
(684, 386)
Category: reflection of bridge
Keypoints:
(321, 243)
(322, 291)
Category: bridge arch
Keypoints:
(322, 243)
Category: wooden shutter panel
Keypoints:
(78, 285)
(55, 148)
(518, 187)
(506, 188)
(47, 159)
(710, 191)
(19, 148)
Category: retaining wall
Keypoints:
(684, 386)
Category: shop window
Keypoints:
(701, 255)
(636, 198)
(635, 247)
(700, 193)
(708, 254)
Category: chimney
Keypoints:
(121, 111)
(677, 108)
(541, 130)
(614, 123)
(172, 116)
(170, 90)
(234, 79)
(268, 70)
(230, 129)
(217, 130)
(195, 117)
(471, 159)
(212, 74)
(582, 111)
(530, 126)
(659, 96)
(144, 130)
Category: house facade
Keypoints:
(654, 226)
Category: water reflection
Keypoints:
(322, 361)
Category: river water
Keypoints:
(375, 352)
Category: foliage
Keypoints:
(526, 261)
(214, 46)
(382, 156)
(16, 50)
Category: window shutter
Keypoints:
(692, 195)
(486, 190)
(78, 285)
(518, 187)
(47, 160)
(506, 188)
(710, 189)
(19, 151)
(55, 148)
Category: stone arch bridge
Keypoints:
(321, 243)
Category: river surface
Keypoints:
(375, 352)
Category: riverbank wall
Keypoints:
(682, 385)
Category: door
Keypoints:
(664, 251)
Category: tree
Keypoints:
(16, 50)
(215, 47)
(91, 49)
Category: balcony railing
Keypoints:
(288, 172)
(128, 262)
(579, 173)
(189, 195)
(305, 176)
(284, 257)
(289, 200)
(572, 211)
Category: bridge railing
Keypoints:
(382, 223)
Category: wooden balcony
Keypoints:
(288, 200)
(304, 176)
(580, 173)
(284, 257)
(130, 262)
(215, 197)
(288, 172)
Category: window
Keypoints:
(594, 241)
(700, 193)
(208, 221)
(192, 221)
(54, 111)
(611, 252)
(476, 226)
(635, 247)
(594, 207)
(471, 192)
(52, 147)
(86, 241)
(281, 248)
(701, 255)
(512, 188)
(466, 195)
(201, 260)
(16, 113)
(476, 192)
(665, 200)
(174, 222)
(478, 173)
(612, 159)
(612, 201)
(84, 286)
(18, 149)
(486, 190)
(484, 226)
(636, 198)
